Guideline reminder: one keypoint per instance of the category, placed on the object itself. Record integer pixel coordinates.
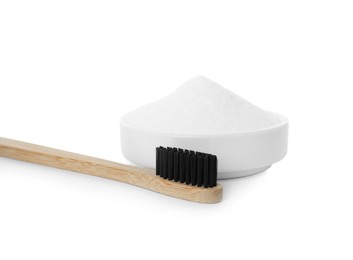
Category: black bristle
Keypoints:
(213, 170)
(205, 171)
(185, 166)
(193, 169)
(176, 165)
(158, 170)
(170, 164)
(187, 169)
(160, 164)
(182, 167)
(164, 163)
(199, 170)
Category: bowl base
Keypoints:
(238, 174)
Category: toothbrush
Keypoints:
(179, 173)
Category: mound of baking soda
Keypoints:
(202, 107)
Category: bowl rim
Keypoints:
(284, 122)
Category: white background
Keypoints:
(70, 69)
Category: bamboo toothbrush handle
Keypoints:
(144, 178)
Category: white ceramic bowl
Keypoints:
(239, 154)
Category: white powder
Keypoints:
(201, 107)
